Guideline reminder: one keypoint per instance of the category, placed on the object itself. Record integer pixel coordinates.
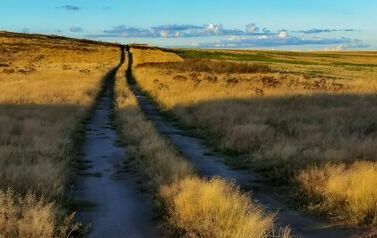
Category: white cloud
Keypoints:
(214, 29)
(263, 37)
(283, 34)
(252, 36)
(251, 28)
(164, 33)
(335, 48)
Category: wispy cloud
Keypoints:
(282, 39)
(179, 31)
(125, 31)
(70, 7)
(76, 29)
(175, 30)
(251, 36)
(317, 31)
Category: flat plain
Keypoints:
(300, 128)
(304, 121)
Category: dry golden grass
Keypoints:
(154, 155)
(31, 217)
(47, 88)
(210, 66)
(214, 208)
(146, 55)
(195, 207)
(350, 191)
(355, 58)
(282, 121)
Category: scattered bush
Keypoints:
(180, 78)
(211, 66)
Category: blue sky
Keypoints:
(268, 24)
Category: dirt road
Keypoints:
(115, 207)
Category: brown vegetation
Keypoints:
(210, 66)
(44, 97)
(214, 208)
(282, 120)
(195, 207)
(349, 191)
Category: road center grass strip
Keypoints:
(194, 207)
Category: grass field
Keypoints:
(303, 120)
(48, 86)
(367, 59)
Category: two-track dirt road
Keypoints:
(117, 207)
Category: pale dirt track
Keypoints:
(118, 208)
(121, 210)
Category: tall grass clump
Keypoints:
(346, 191)
(32, 217)
(214, 208)
(219, 206)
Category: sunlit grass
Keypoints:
(214, 208)
(283, 120)
(350, 191)
(195, 207)
(47, 88)
(286, 57)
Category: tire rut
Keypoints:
(115, 207)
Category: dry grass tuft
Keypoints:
(214, 208)
(348, 191)
(31, 217)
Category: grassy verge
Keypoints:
(194, 207)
